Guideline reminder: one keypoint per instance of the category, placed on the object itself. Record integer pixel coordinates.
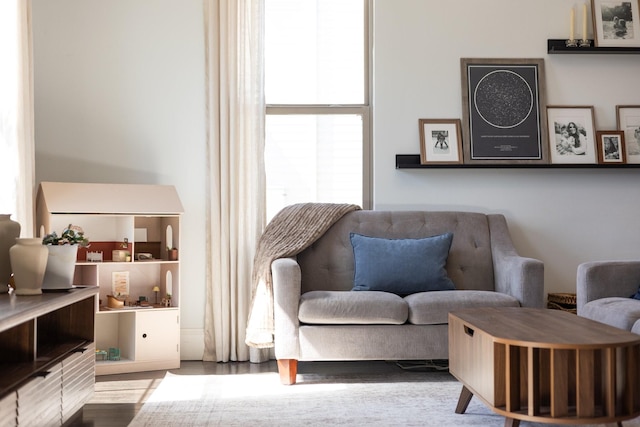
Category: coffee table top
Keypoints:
(544, 328)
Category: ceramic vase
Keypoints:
(28, 263)
(61, 266)
(9, 232)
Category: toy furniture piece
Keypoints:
(319, 318)
(604, 290)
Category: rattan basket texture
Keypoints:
(562, 301)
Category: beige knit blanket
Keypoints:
(292, 230)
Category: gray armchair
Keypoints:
(604, 290)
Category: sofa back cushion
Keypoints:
(328, 264)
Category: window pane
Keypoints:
(314, 52)
(313, 158)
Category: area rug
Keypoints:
(402, 399)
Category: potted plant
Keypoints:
(72, 235)
(63, 251)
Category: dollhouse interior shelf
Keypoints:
(557, 46)
(412, 161)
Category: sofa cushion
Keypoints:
(432, 308)
(615, 311)
(344, 307)
(401, 266)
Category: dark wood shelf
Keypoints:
(412, 161)
(558, 46)
(17, 374)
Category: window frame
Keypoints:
(363, 110)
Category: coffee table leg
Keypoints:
(463, 401)
(510, 422)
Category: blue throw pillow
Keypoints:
(636, 295)
(401, 266)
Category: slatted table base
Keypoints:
(594, 382)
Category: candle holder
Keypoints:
(584, 43)
(571, 43)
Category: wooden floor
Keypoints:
(118, 397)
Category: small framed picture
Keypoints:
(120, 283)
(440, 141)
(571, 134)
(616, 23)
(628, 121)
(610, 146)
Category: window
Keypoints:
(316, 83)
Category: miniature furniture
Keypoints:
(319, 317)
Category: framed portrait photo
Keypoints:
(440, 141)
(610, 146)
(503, 107)
(571, 134)
(628, 121)
(616, 23)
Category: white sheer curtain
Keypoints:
(235, 169)
(17, 171)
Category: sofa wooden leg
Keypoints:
(288, 369)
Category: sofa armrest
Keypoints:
(286, 299)
(520, 277)
(602, 279)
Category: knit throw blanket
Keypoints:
(292, 230)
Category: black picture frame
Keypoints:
(504, 111)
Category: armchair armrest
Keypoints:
(286, 298)
(520, 277)
(602, 279)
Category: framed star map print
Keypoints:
(504, 111)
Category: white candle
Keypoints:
(571, 21)
(584, 22)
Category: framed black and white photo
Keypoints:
(504, 115)
(571, 134)
(440, 141)
(610, 146)
(628, 121)
(616, 23)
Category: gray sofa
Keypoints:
(603, 291)
(319, 318)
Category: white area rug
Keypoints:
(403, 399)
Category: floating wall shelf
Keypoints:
(557, 46)
(412, 161)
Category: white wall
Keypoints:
(561, 216)
(120, 98)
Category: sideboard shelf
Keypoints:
(47, 356)
(412, 161)
(558, 46)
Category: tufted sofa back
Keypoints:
(328, 263)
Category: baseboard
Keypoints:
(191, 344)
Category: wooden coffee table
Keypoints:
(545, 366)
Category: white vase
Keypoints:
(28, 263)
(9, 231)
(61, 266)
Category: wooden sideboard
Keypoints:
(47, 355)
